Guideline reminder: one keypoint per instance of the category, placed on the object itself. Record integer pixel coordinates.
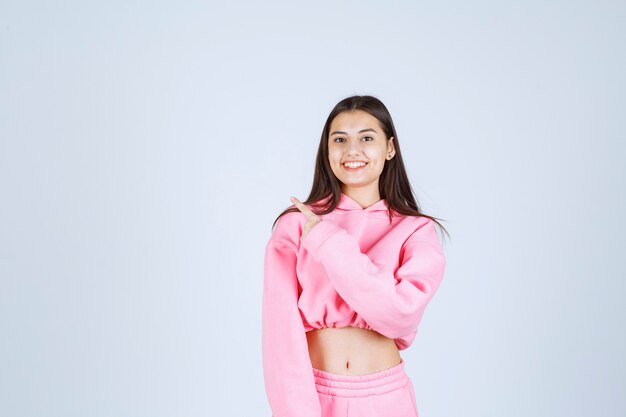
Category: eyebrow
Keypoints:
(369, 129)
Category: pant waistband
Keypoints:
(360, 385)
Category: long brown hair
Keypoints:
(393, 184)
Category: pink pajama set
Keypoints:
(357, 268)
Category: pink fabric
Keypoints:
(384, 393)
(355, 269)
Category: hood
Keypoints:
(348, 204)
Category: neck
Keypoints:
(365, 197)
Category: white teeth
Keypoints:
(354, 164)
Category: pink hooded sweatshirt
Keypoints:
(353, 268)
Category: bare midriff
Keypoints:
(351, 350)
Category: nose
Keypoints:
(353, 148)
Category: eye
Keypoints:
(335, 140)
(365, 137)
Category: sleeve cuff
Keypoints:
(319, 234)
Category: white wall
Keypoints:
(146, 148)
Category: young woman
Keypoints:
(348, 274)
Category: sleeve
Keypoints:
(391, 302)
(287, 369)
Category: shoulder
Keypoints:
(288, 228)
(425, 231)
(291, 219)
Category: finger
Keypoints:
(303, 208)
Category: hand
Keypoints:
(311, 218)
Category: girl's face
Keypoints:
(356, 137)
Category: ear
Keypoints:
(391, 146)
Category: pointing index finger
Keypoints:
(304, 209)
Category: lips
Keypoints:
(356, 165)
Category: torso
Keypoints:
(351, 350)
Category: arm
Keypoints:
(288, 375)
(392, 303)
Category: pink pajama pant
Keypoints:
(386, 393)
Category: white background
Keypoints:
(146, 148)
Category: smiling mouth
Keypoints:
(353, 166)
